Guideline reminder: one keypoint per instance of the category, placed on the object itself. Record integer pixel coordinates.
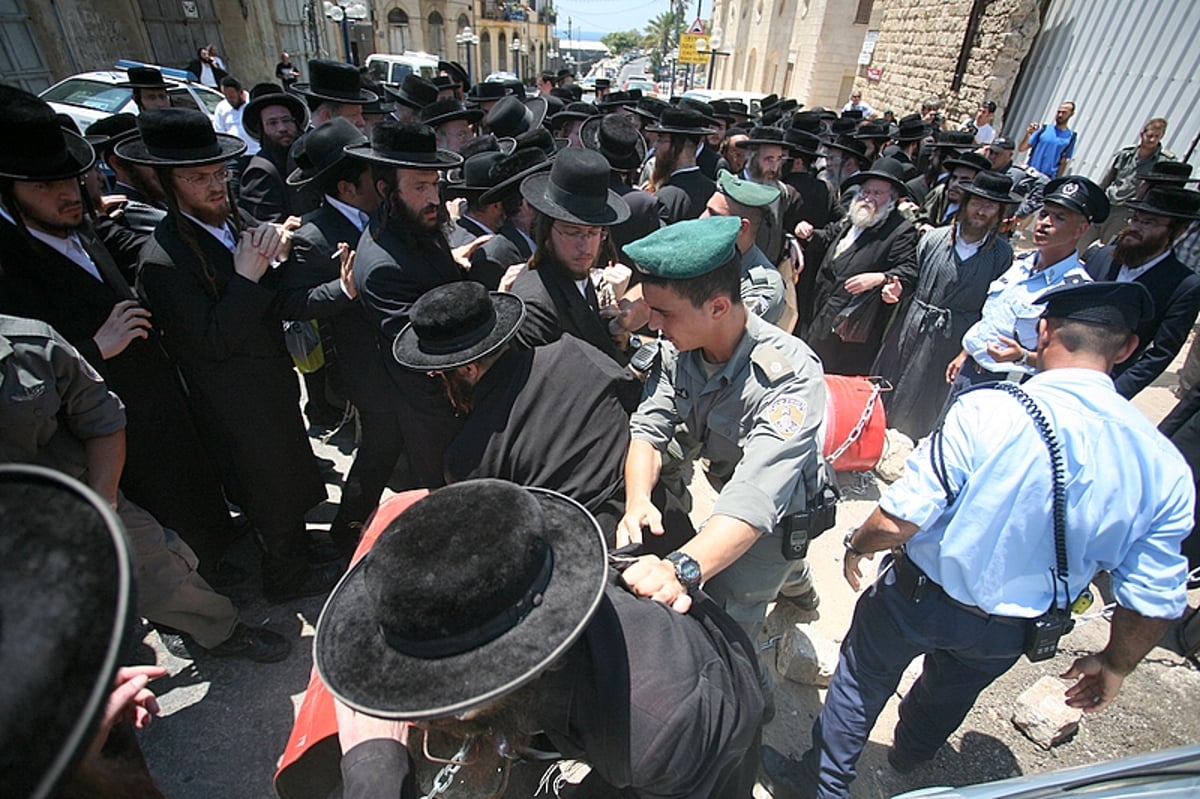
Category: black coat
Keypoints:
(643, 219)
(709, 160)
(492, 260)
(891, 248)
(684, 196)
(1182, 426)
(1176, 293)
(264, 194)
(226, 333)
(167, 469)
(553, 306)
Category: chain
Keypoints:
(861, 424)
(445, 776)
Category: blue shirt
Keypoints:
(1051, 145)
(1009, 309)
(1129, 500)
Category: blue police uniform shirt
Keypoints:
(1051, 145)
(1009, 309)
(1129, 498)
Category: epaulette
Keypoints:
(774, 365)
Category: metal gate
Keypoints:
(1121, 63)
(21, 62)
(178, 28)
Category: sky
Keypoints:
(598, 17)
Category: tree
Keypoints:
(621, 41)
(661, 36)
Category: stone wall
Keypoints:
(918, 49)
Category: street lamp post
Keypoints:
(467, 39)
(552, 54)
(515, 47)
(343, 12)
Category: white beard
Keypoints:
(864, 215)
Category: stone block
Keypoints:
(803, 656)
(896, 449)
(1042, 713)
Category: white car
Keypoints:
(91, 96)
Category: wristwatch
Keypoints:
(687, 570)
(848, 544)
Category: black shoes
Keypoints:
(902, 763)
(312, 581)
(253, 643)
(783, 777)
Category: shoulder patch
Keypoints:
(771, 361)
(786, 415)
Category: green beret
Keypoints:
(687, 249)
(746, 192)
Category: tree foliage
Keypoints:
(662, 34)
(621, 41)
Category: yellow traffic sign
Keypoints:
(689, 53)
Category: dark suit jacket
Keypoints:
(709, 161)
(553, 306)
(643, 219)
(684, 196)
(264, 194)
(1176, 293)
(492, 260)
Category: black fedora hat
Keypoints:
(873, 131)
(807, 121)
(955, 140)
(912, 128)
(575, 190)
(487, 92)
(103, 134)
(721, 111)
(383, 102)
(178, 137)
(764, 134)
(1173, 201)
(506, 174)
(614, 101)
(323, 148)
(144, 78)
(992, 186)
(415, 92)
(511, 116)
(1079, 194)
(538, 137)
(803, 143)
(573, 111)
(334, 81)
(33, 145)
(1177, 173)
(888, 169)
(738, 110)
(617, 138)
(970, 160)
(704, 109)
(851, 146)
(456, 71)
(650, 107)
(467, 595)
(67, 593)
(684, 121)
(603, 83)
(767, 103)
(265, 95)
(404, 145)
(456, 324)
(448, 110)
(472, 177)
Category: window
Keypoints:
(435, 41)
(863, 15)
(485, 53)
(397, 30)
(501, 54)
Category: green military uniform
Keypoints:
(763, 289)
(51, 402)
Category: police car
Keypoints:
(90, 96)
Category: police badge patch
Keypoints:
(786, 415)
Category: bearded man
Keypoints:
(274, 120)
(767, 148)
(682, 189)
(1143, 253)
(873, 245)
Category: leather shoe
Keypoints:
(783, 777)
(902, 763)
(313, 581)
(253, 643)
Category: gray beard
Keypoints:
(862, 215)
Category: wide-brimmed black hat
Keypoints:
(875, 131)
(684, 121)
(456, 71)
(970, 160)
(1177, 173)
(888, 169)
(33, 145)
(1079, 194)
(448, 110)
(992, 186)
(415, 92)
(764, 134)
(466, 596)
(323, 148)
(472, 178)
(383, 102)
(767, 103)
(851, 146)
(487, 92)
(575, 190)
(405, 145)
(265, 95)
(651, 107)
(511, 116)
(103, 134)
(738, 109)
(701, 107)
(178, 137)
(444, 82)
(456, 324)
(603, 83)
(335, 81)
(144, 78)
(66, 590)
(912, 128)
(506, 174)
(955, 140)
(573, 111)
(803, 143)
(617, 138)
(721, 111)
(807, 121)
(1173, 201)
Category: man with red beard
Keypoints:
(681, 187)
(1142, 253)
(274, 120)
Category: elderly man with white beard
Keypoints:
(872, 245)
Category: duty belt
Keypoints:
(909, 574)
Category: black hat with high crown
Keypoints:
(955, 140)
(178, 137)
(415, 92)
(466, 596)
(803, 143)
(144, 78)
(448, 110)
(573, 111)
(617, 138)
(472, 178)
(265, 95)
(1173, 201)
(970, 160)
(888, 169)
(488, 92)
(764, 134)
(404, 145)
(456, 71)
(575, 190)
(335, 82)
(506, 174)
(992, 186)
(511, 116)
(323, 148)
(683, 121)
(912, 128)
(33, 145)
(851, 146)
(456, 324)
(650, 107)
(1177, 173)
(66, 606)
(103, 134)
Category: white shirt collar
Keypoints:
(487, 231)
(1128, 274)
(357, 216)
(222, 234)
(70, 247)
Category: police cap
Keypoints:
(1077, 193)
(1109, 303)
(687, 249)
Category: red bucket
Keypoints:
(855, 423)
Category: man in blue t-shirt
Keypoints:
(1052, 146)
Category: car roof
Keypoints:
(116, 76)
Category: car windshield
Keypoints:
(210, 100)
(94, 94)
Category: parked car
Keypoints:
(393, 69)
(646, 87)
(751, 99)
(91, 96)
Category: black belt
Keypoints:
(912, 582)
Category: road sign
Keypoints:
(697, 26)
(688, 52)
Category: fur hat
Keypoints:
(456, 324)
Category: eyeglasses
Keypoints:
(213, 179)
(580, 235)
